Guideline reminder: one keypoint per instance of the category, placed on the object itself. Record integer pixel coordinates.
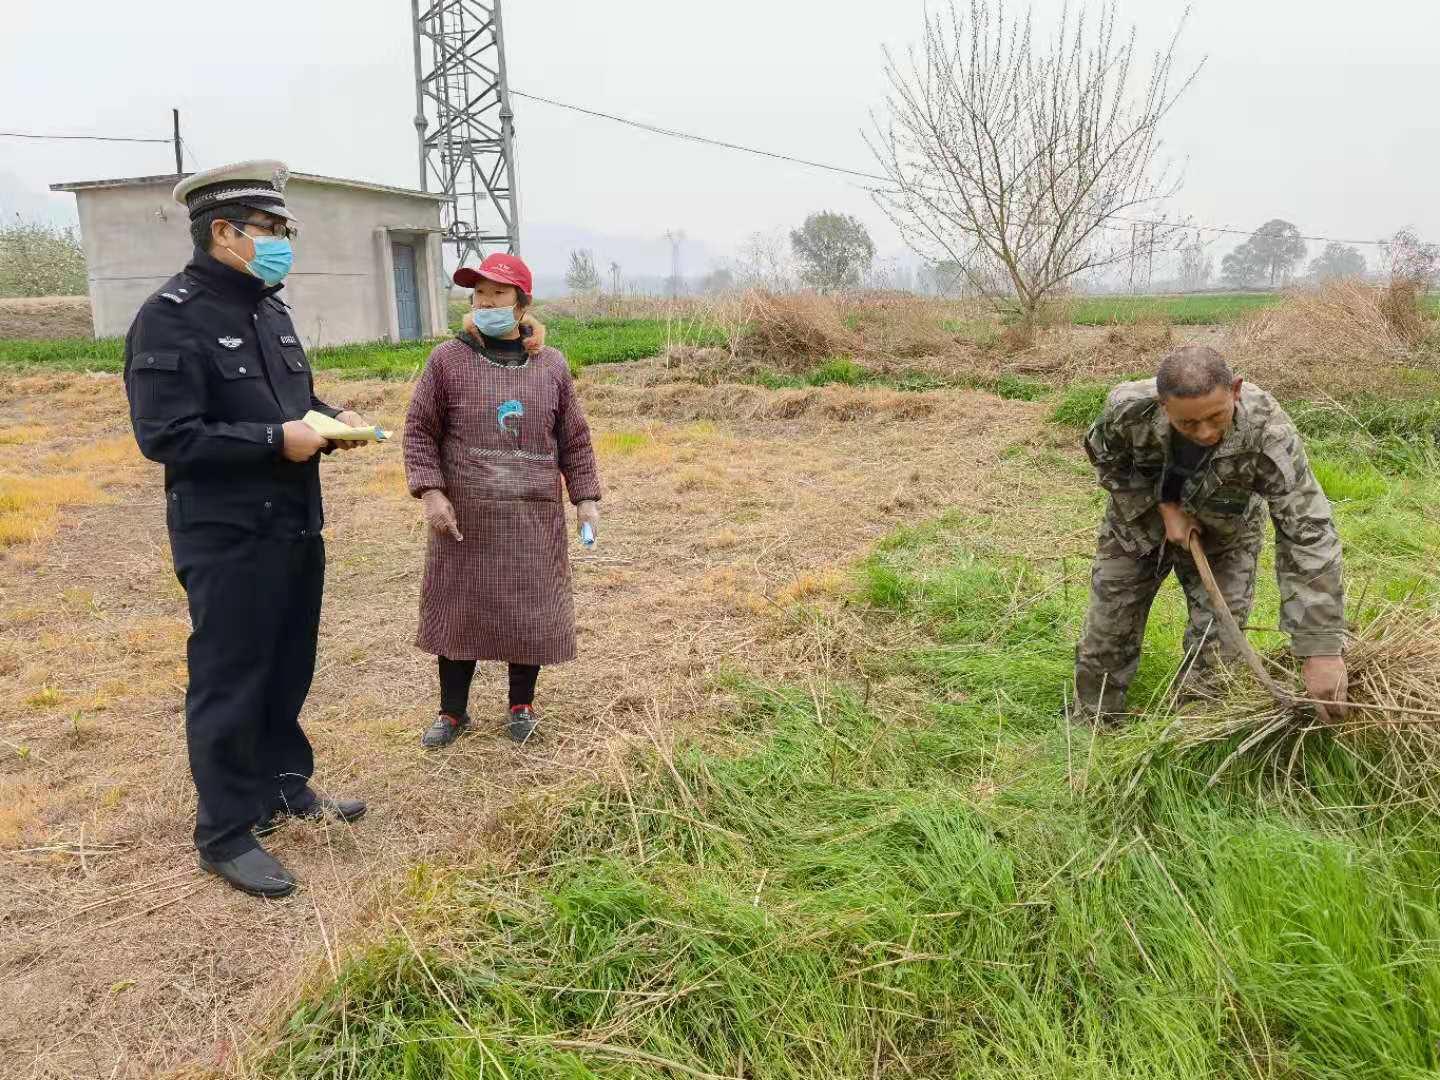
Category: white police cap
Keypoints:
(259, 185)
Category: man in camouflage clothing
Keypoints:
(1196, 450)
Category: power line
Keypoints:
(700, 138)
(185, 146)
(724, 145)
(84, 138)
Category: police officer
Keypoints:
(217, 381)
(1197, 450)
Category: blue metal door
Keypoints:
(407, 292)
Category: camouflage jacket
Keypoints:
(1260, 463)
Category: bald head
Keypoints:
(1198, 392)
(1192, 371)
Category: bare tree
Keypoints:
(765, 262)
(1022, 160)
(582, 277)
(1196, 266)
(1407, 258)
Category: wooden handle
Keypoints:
(1230, 627)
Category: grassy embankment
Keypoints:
(913, 868)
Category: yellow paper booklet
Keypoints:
(333, 429)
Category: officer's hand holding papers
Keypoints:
(347, 430)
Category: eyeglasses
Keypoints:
(271, 228)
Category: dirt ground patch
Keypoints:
(724, 508)
(34, 318)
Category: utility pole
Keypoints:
(179, 159)
(676, 238)
(1150, 262)
(464, 124)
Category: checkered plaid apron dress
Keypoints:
(498, 440)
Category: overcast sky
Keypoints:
(1317, 111)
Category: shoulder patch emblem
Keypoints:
(173, 298)
(230, 342)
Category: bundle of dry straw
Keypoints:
(1392, 724)
(795, 331)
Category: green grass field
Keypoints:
(945, 881)
(1206, 309)
(584, 342)
(1193, 309)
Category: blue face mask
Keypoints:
(273, 259)
(494, 321)
(273, 256)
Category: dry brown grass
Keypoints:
(29, 504)
(1342, 337)
(796, 331)
(898, 326)
(21, 434)
(97, 881)
(744, 403)
(45, 317)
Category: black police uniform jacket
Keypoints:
(213, 370)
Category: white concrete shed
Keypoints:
(368, 262)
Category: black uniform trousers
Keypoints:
(255, 616)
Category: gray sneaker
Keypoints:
(445, 730)
(522, 723)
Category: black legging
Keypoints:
(455, 677)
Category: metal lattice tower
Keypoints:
(465, 126)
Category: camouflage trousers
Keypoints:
(1122, 589)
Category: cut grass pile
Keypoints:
(922, 872)
(1389, 727)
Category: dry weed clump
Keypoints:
(1340, 337)
(900, 326)
(1392, 725)
(796, 330)
(703, 364)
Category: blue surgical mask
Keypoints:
(494, 321)
(273, 259)
(273, 256)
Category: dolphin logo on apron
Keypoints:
(505, 411)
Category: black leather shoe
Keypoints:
(346, 810)
(256, 872)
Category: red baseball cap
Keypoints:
(506, 269)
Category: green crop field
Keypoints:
(584, 342)
(1193, 309)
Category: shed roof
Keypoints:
(174, 178)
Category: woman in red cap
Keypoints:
(491, 431)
